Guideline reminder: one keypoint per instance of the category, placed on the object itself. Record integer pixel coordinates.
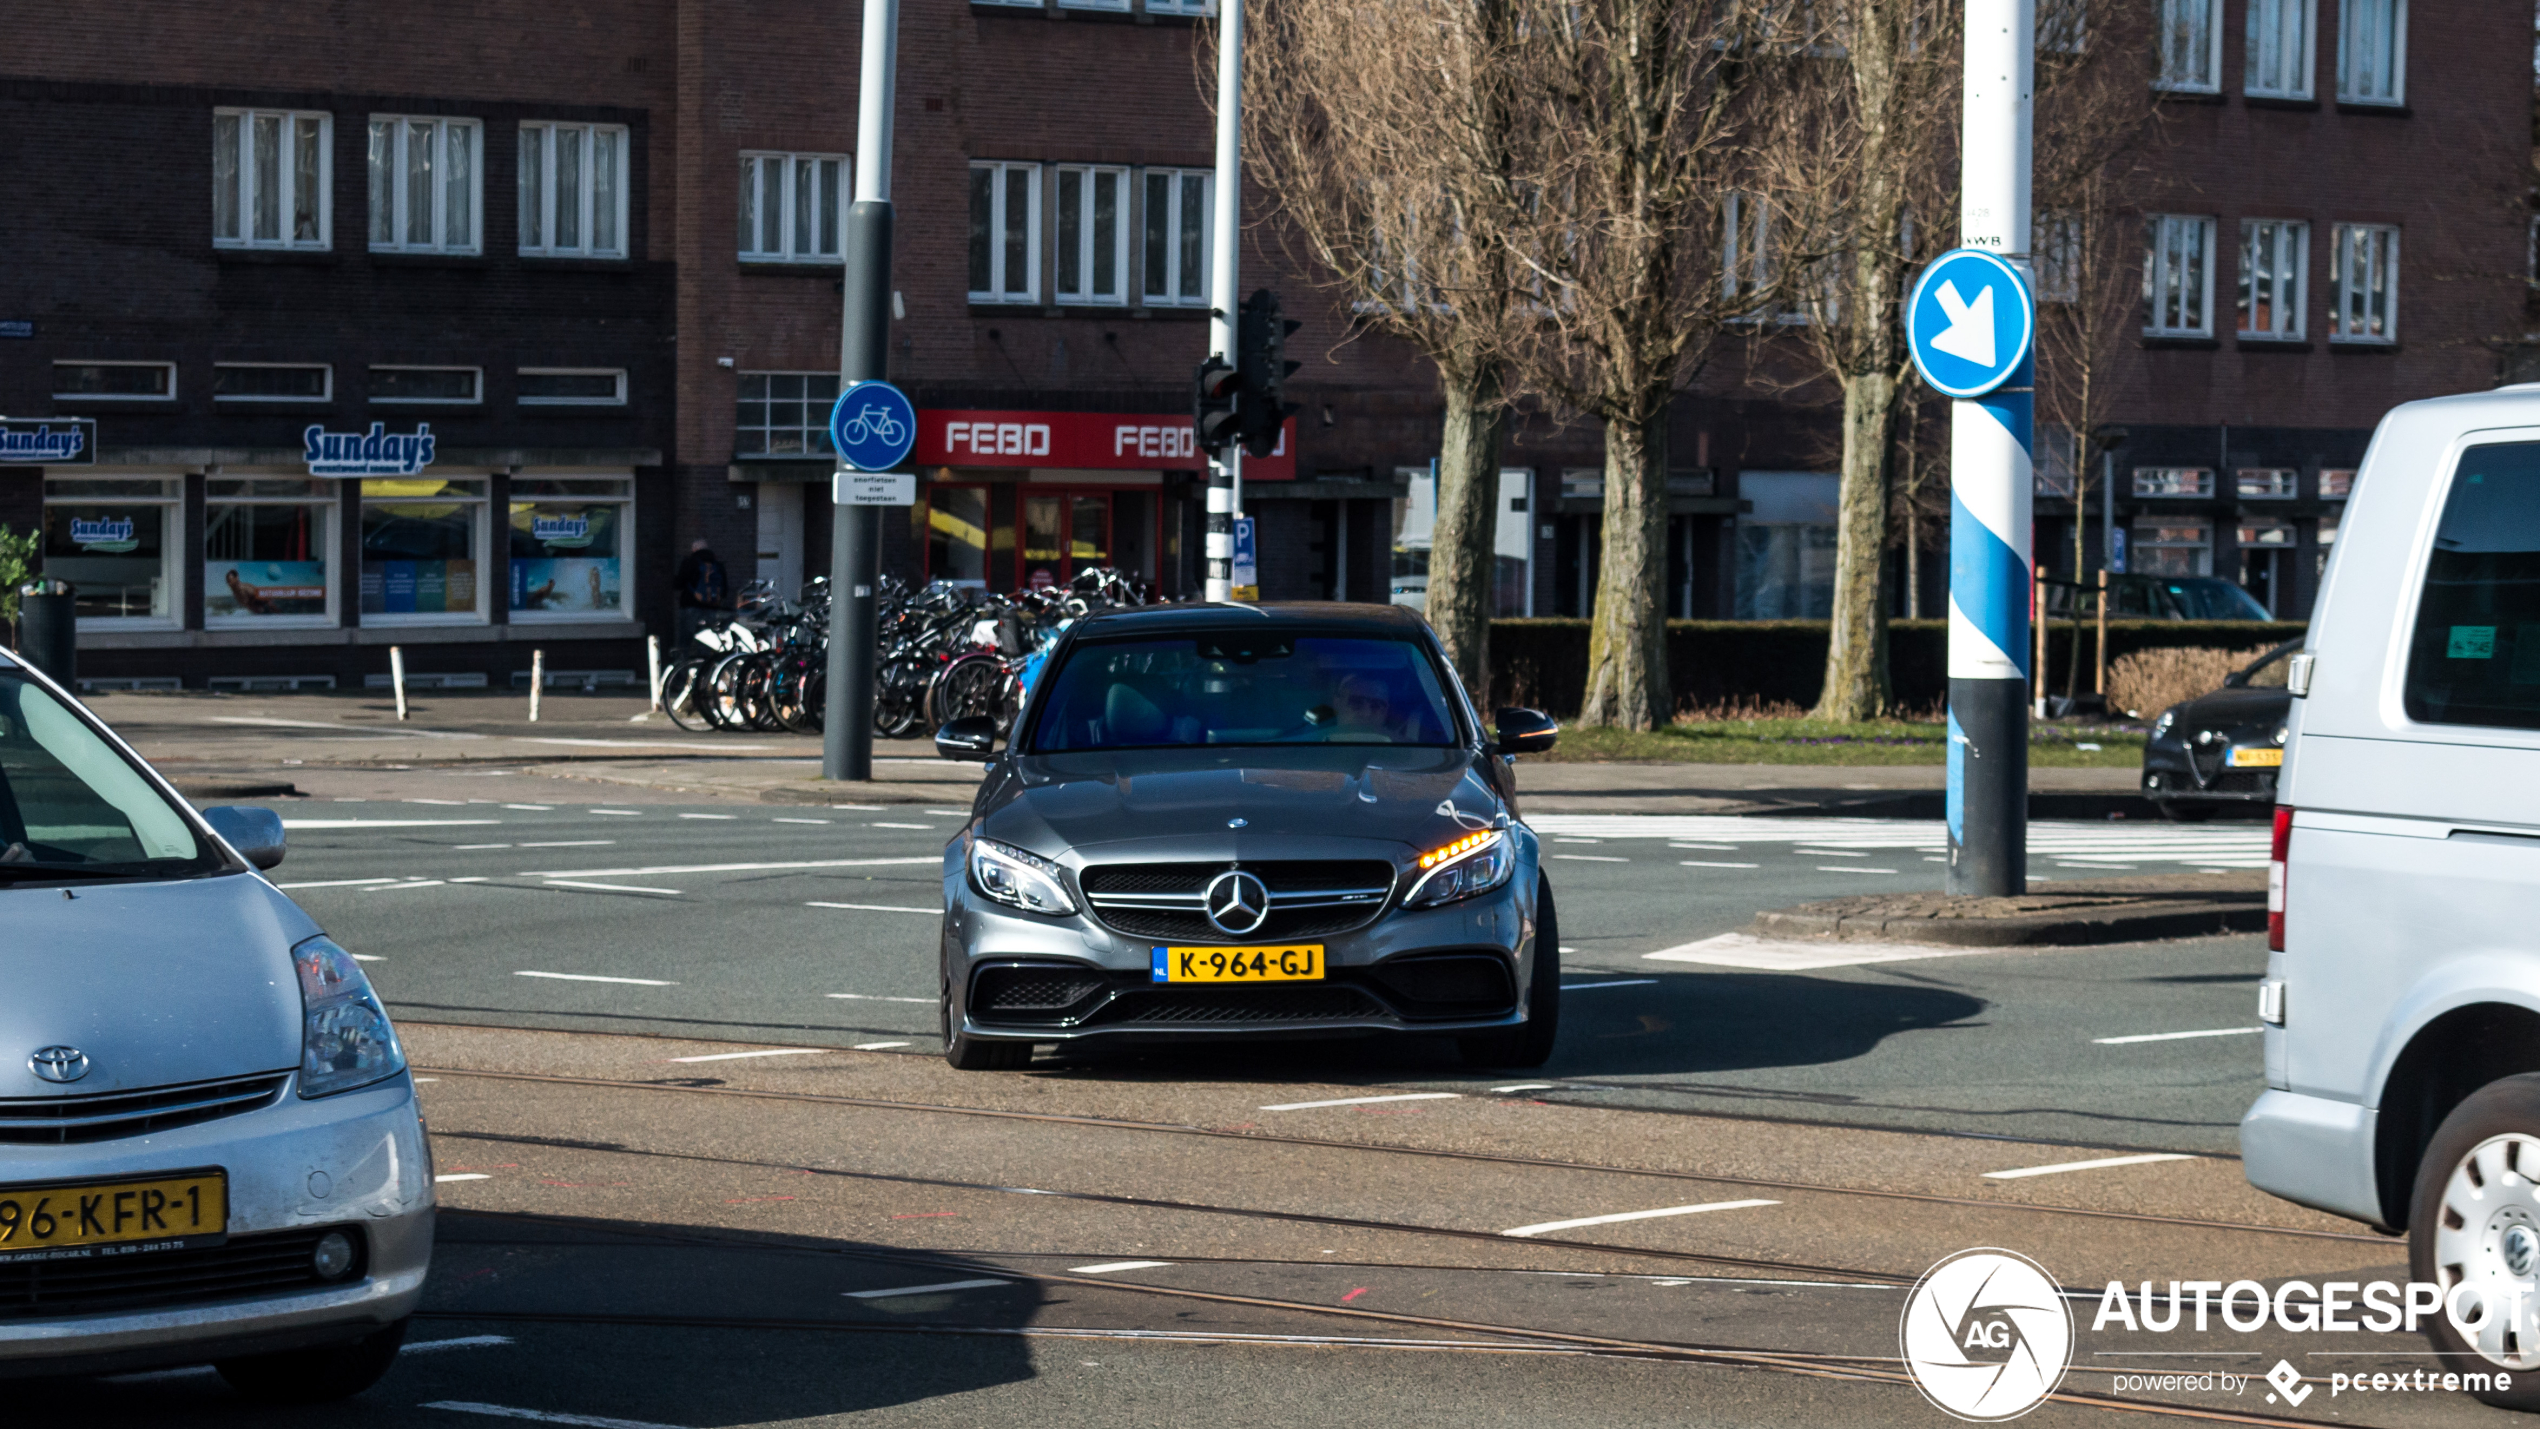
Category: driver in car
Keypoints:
(1365, 709)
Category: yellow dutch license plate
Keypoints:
(2257, 759)
(1296, 962)
(183, 1209)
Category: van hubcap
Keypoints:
(2487, 1235)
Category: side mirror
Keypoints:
(1524, 731)
(255, 833)
(969, 737)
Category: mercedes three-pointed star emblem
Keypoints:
(1237, 902)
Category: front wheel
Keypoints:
(1530, 1045)
(2475, 1218)
(971, 1054)
(318, 1374)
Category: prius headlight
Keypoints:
(1018, 879)
(1475, 863)
(345, 1038)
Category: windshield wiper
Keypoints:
(27, 870)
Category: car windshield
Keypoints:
(2269, 671)
(1243, 687)
(2209, 598)
(72, 806)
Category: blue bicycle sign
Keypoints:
(873, 426)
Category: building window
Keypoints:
(2336, 483)
(2267, 483)
(2055, 247)
(272, 382)
(1179, 206)
(785, 414)
(2172, 548)
(427, 384)
(1194, 8)
(114, 381)
(791, 206)
(2280, 57)
(114, 540)
(2365, 257)
(572, 386)
(1093, 239)
(2274, 257)
(2063, 26)
(2174, 481)
(266, 543)
(2188, 39)
(425, 184)
(1121, 6)
(1746, 248)
(270, 178)
(1005, 233)
(422, 541)
(2054, 466)
(2372, 52)
(569, 536)
(573, 190)
(2178, 275)
(957, 535)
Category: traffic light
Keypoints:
(1261, 338)
(1213, 390)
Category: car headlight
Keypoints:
(2162, 725)
(2283, 732)
(1475, 863)
(345, 1038)
(1018, 879)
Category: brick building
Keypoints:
(592, 254)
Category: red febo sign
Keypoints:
(1081, 441)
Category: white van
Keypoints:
(2402, 994)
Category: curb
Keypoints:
(2042, 930)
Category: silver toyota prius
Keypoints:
(209, 1145)
(1224, 822)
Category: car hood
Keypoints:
(157, 982)
(2235, 709)
(1185, 800)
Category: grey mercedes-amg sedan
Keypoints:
(1218, 822)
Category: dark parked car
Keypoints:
(1227, 822)
(2141, 597)
(2223, 748)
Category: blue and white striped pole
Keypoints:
(1991, 439)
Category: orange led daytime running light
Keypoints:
(1457, 849)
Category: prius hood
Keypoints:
(158, 983)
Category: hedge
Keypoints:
(1543, 663)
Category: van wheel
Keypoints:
(2476, 1217)
(316, 1375)
(1530, 1045)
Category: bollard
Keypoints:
(48, 630)
(537, 681)
(652, 668)
(2100, 683)
(397, 677)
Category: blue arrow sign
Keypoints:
(874, 426)
(1970, 322)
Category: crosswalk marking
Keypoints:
(2083, 846)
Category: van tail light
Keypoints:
(2276, 850)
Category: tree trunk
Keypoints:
(1856, 685)
(1463, 559)
(1627, 685)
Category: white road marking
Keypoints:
(472, 878)
(1363, 1101)
(634, 743)
(573, 843)
(386, 823)
(874, 907)
(876, 997)
(800, 821)
(925, 828)
(609, 887)
(875, 1046)
(1715, 848)
(533, 808)
(1745, 950)
(1621, 1216)
(924, 1289)
(951, 813)
(1109, 1266)
(2204, 847)
(462, 1176)
(1525, 1087)
(1626, 982)
(1578, 841)
(403, 886)
(736, 1056)
(731, 867)
(2176, 1036)
(594, 977)
(620, 813)
(365, 731)
(454, 803)
(370, 958)
(471, 848)
(1850, 868)
(709, 816)
(1711, 863)
(2102, 1163)
(337, 883)
(463, 1342)
(866, 808)
(1591, 858)
(1828, 853)
(504, 1411)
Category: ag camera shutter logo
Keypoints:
(1986, 1335)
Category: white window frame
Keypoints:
(168, 367)
(790, 170)
(1124, 211)
(1197, 9)
(1118, 6)
(2286, 245)
(2147, 483)
(2390, 49)
(2163, 254)
(326, 367)
(244, 180)
(2278, 65)
(476, 401)
(482, 542)
(170, 498)
(2365, 258)
(538, 210)
(332, 509)
(627, 568)
(394, 182)
(617, 372)
(998, 289)
(814, 430)
(2177, 67)
(2249, 483)
(1176, 222)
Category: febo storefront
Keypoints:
(1019, 500)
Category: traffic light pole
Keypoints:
(855, 547)
(1991, 484)
(1225, 471)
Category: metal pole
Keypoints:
(1991, 442)
(1219, 545)
(855, 546)
(1225, 474)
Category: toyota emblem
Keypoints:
(1237, 902)
(59, 1064)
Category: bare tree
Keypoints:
(1382, 134)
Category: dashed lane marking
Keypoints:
(875, 997)
(618, 813)
(462, 1176)
(1364, 1101)
(1712, 863)
(874, 907)
(595, 977)
(1623, 982)
(1525, 1087)
(923, 828)
(1113, 1267)
(1850, 868)
(572, 843)
(387, 823)
(2087, 844)
(609, 887)
(924, 1289)
(1621, 1216)
(2176, 1036)
(729, 867)
(542, 1416)
(339, 883)
(737, 1056)
(1591, 858)
(875, 1046)
(2101, 1164)
(402, 886)
(799, 821)
(533, 808)
(709, 816)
